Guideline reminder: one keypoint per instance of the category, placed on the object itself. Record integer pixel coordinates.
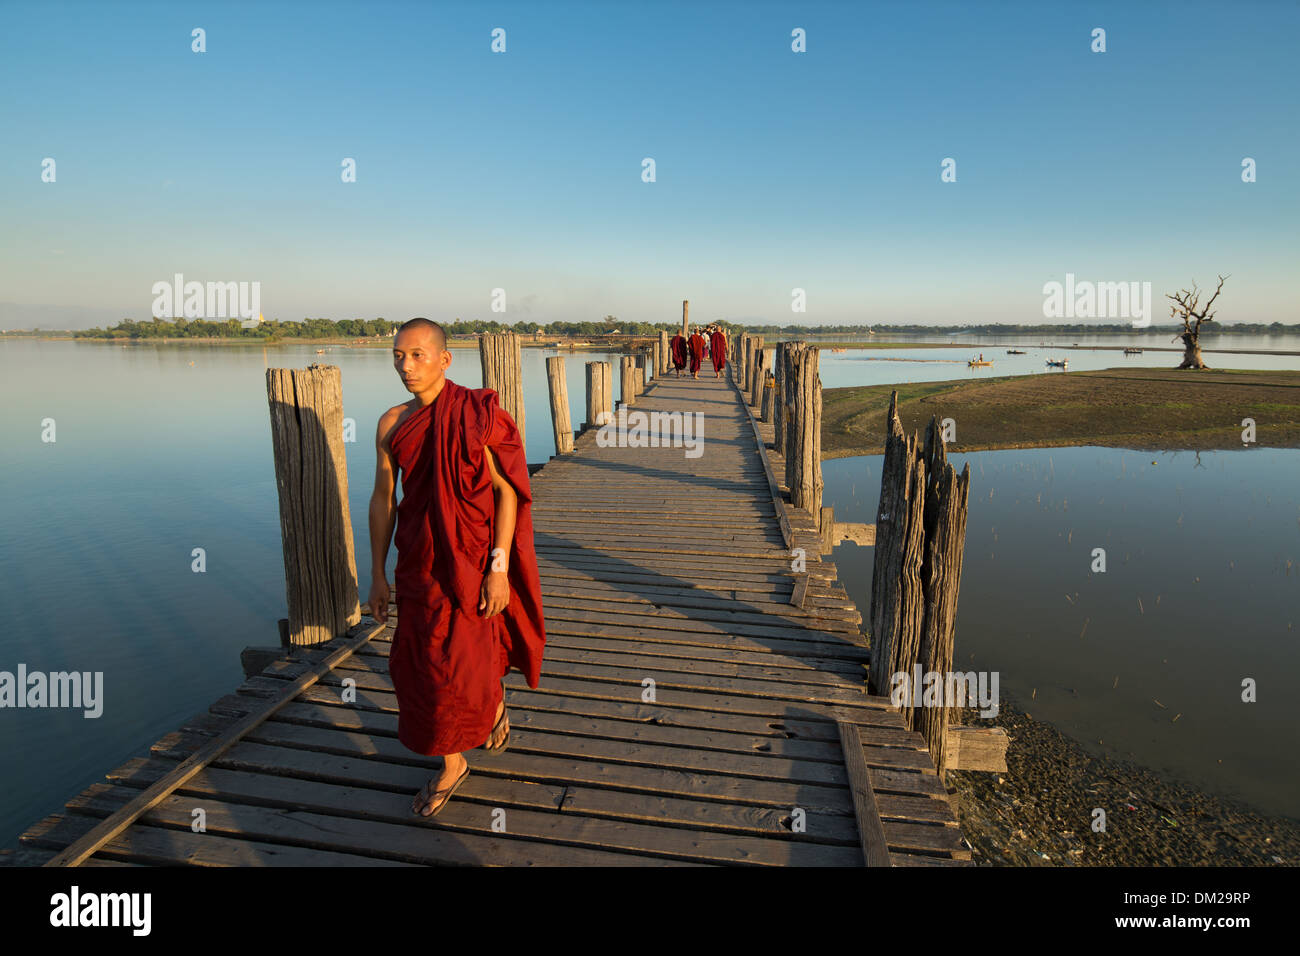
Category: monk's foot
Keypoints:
(500, 729)
(434, 795)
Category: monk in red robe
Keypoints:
(677, 347)
(718, 351)
(469, 603)
(696, 344)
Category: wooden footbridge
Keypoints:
(701, 702)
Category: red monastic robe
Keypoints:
(447, 661)
(697, 352)
(678, 349)
(718, 350)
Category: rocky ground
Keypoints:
(1040, 812)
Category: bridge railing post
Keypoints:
(627, 380)
(920, 537)
(558, 387)
(803, 466)
(503, 371)
(311, 474)
(599, 390)
(769, 389)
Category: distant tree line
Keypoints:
(276, 330)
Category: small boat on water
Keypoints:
(974, 364)
(839, 350)
(1132, 351)
(1052, 363)
(320, 351)
(1015, 352)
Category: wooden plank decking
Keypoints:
(656, 569)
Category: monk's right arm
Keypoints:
(383, 518)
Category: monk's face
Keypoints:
(419, 360)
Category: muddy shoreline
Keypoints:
(1041, 811)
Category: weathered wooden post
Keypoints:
(665, 357)
(762, 362)
(803, 464)
(600, 405)
(503, 371)
(920, 537)
(643, 366)
(627, 380)
(787, 352)
(638, 380)
(558, 386)
(656, 356)
(311, 475)
(769, 390)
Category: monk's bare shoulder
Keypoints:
(390, 420)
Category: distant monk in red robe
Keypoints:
(718, 351)
(469, 603)
(696, 344)
(679, 352)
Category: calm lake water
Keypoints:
(883, 366)
(1201, 591)
(162, 449)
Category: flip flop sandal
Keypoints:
(497, 726)
(448, 790)
(504, 740)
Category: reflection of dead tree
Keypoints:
(1184, 307)
(1198, 461)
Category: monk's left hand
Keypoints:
(495, 593)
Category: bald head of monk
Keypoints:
(421, 357)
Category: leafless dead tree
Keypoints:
(1185, 307)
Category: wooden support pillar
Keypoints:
(787, 354)
(643, 366)
(558, 386)
(762, 362)
(920, 537)
(311, 475)
(826, 526)
(769, 394)
(803, 465)
(503, 371)
(656, 356)
(686, 311)
(627, 380)
(665, 356)
(638, 380)
(600, 404)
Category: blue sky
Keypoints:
(522, 170)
